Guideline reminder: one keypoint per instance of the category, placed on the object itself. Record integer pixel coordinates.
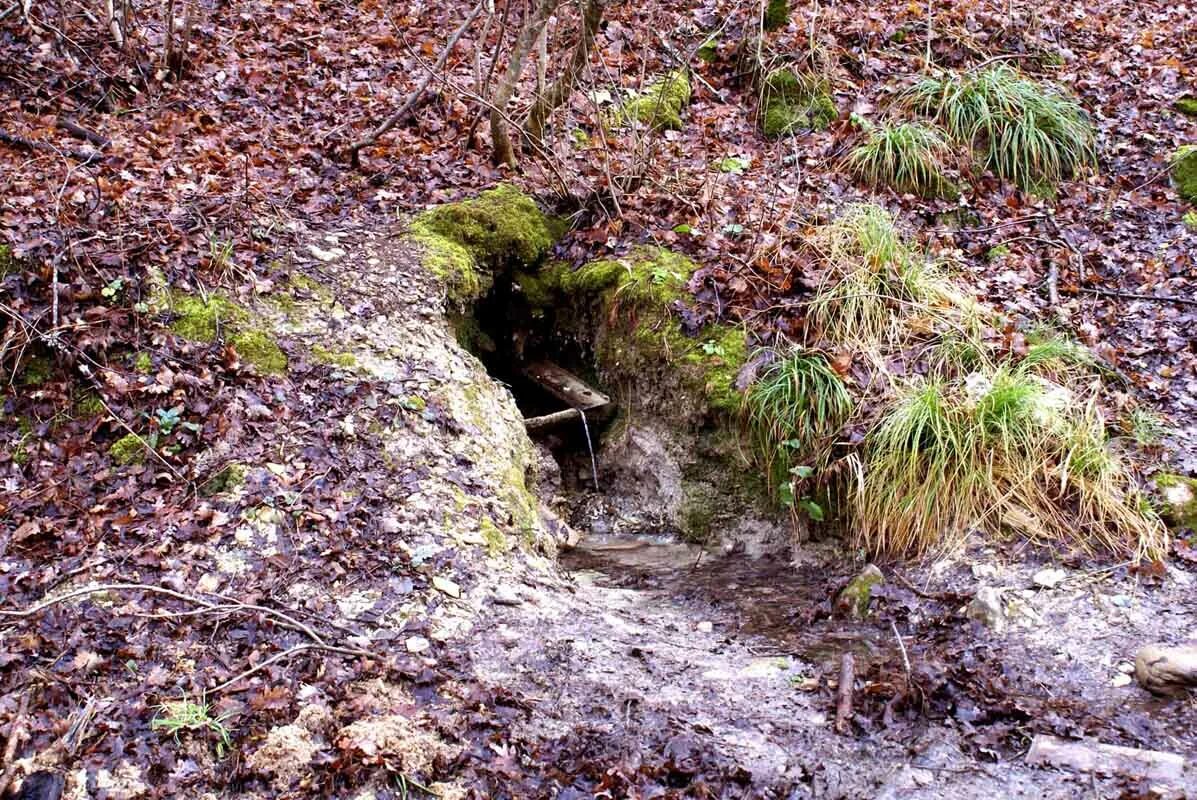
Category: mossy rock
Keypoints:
(1184, 172)
(638, 296)
(1178, 500)
(1186, 106)
(129, 449)
(792, 102)
(202, 319)
(660, 105)
(777, 14)
(465, 244)
(855, 598)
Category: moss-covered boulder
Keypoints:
(1177, 500)
(466, 243)
(777, 14)
(793, 102)
(1184, 172)
(660, 105)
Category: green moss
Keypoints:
(312, 287)
(200, 319)
(997, 252)
(332, 358)
(721, 353)
(36, 370)
(1178, 500)
(466, 243)
(777, 14)
(258, 349)
(791, 102)
(128, 449)
(651, 277)
(1184, 172)
(660, 105)
(20, 453)
(470, 335)
(1190, 220)
(699, 511)
(496, 543)
(8, 264)
(1186, 106)
(229, 478)
(143, 363)
(708, 51)
(89, 404)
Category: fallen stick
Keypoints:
(77, 130)
(20, 142)
(10, 748)
(843, 705)
(1159, 298)
(1105, 759)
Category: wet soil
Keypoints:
(649, 645)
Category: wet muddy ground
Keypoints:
(651, 648)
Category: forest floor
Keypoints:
(638, 679)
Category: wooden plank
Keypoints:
(565, 386)
(1105, 759)
(534, 424)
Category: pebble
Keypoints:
(987, 608)
(706, 626)
(507, 596)
(1049, 578)
(418, 644)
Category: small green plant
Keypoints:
(177, 716)
(1026, 131)
(908, 157)
(220, 255)
(735, 165)
(794, 411)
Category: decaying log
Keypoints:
(1105, 759)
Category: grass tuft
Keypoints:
(794, 411)
(1027, 132)
(178, 716)
(907, 157)
(995, 450)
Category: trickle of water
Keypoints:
(590, 447)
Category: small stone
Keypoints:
(855, 598)
(388, 524)
(507, 596)
(418, 644)
(1049, 577)
(209, 583)
(446, 586)
(981, 571)
(1121, 680)
(706, 626)
(1122, 600)
(987, 608)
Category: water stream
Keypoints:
(590, 449)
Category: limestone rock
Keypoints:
(987, 608)
(1166, 670)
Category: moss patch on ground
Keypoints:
(1186, 106)
(466, 243)
(777, 14)
(660, 105)
(227, 479)
(1184, 172)
(203, 319)
(129, 449)
(333, 358)
(792, 102)
(7, 262)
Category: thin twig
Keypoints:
(352, 651)
(1158, 298)
(902, 648)
(10, 748)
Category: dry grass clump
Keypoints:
(998, 449)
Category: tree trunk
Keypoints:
(504, 153)
(552, 98)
